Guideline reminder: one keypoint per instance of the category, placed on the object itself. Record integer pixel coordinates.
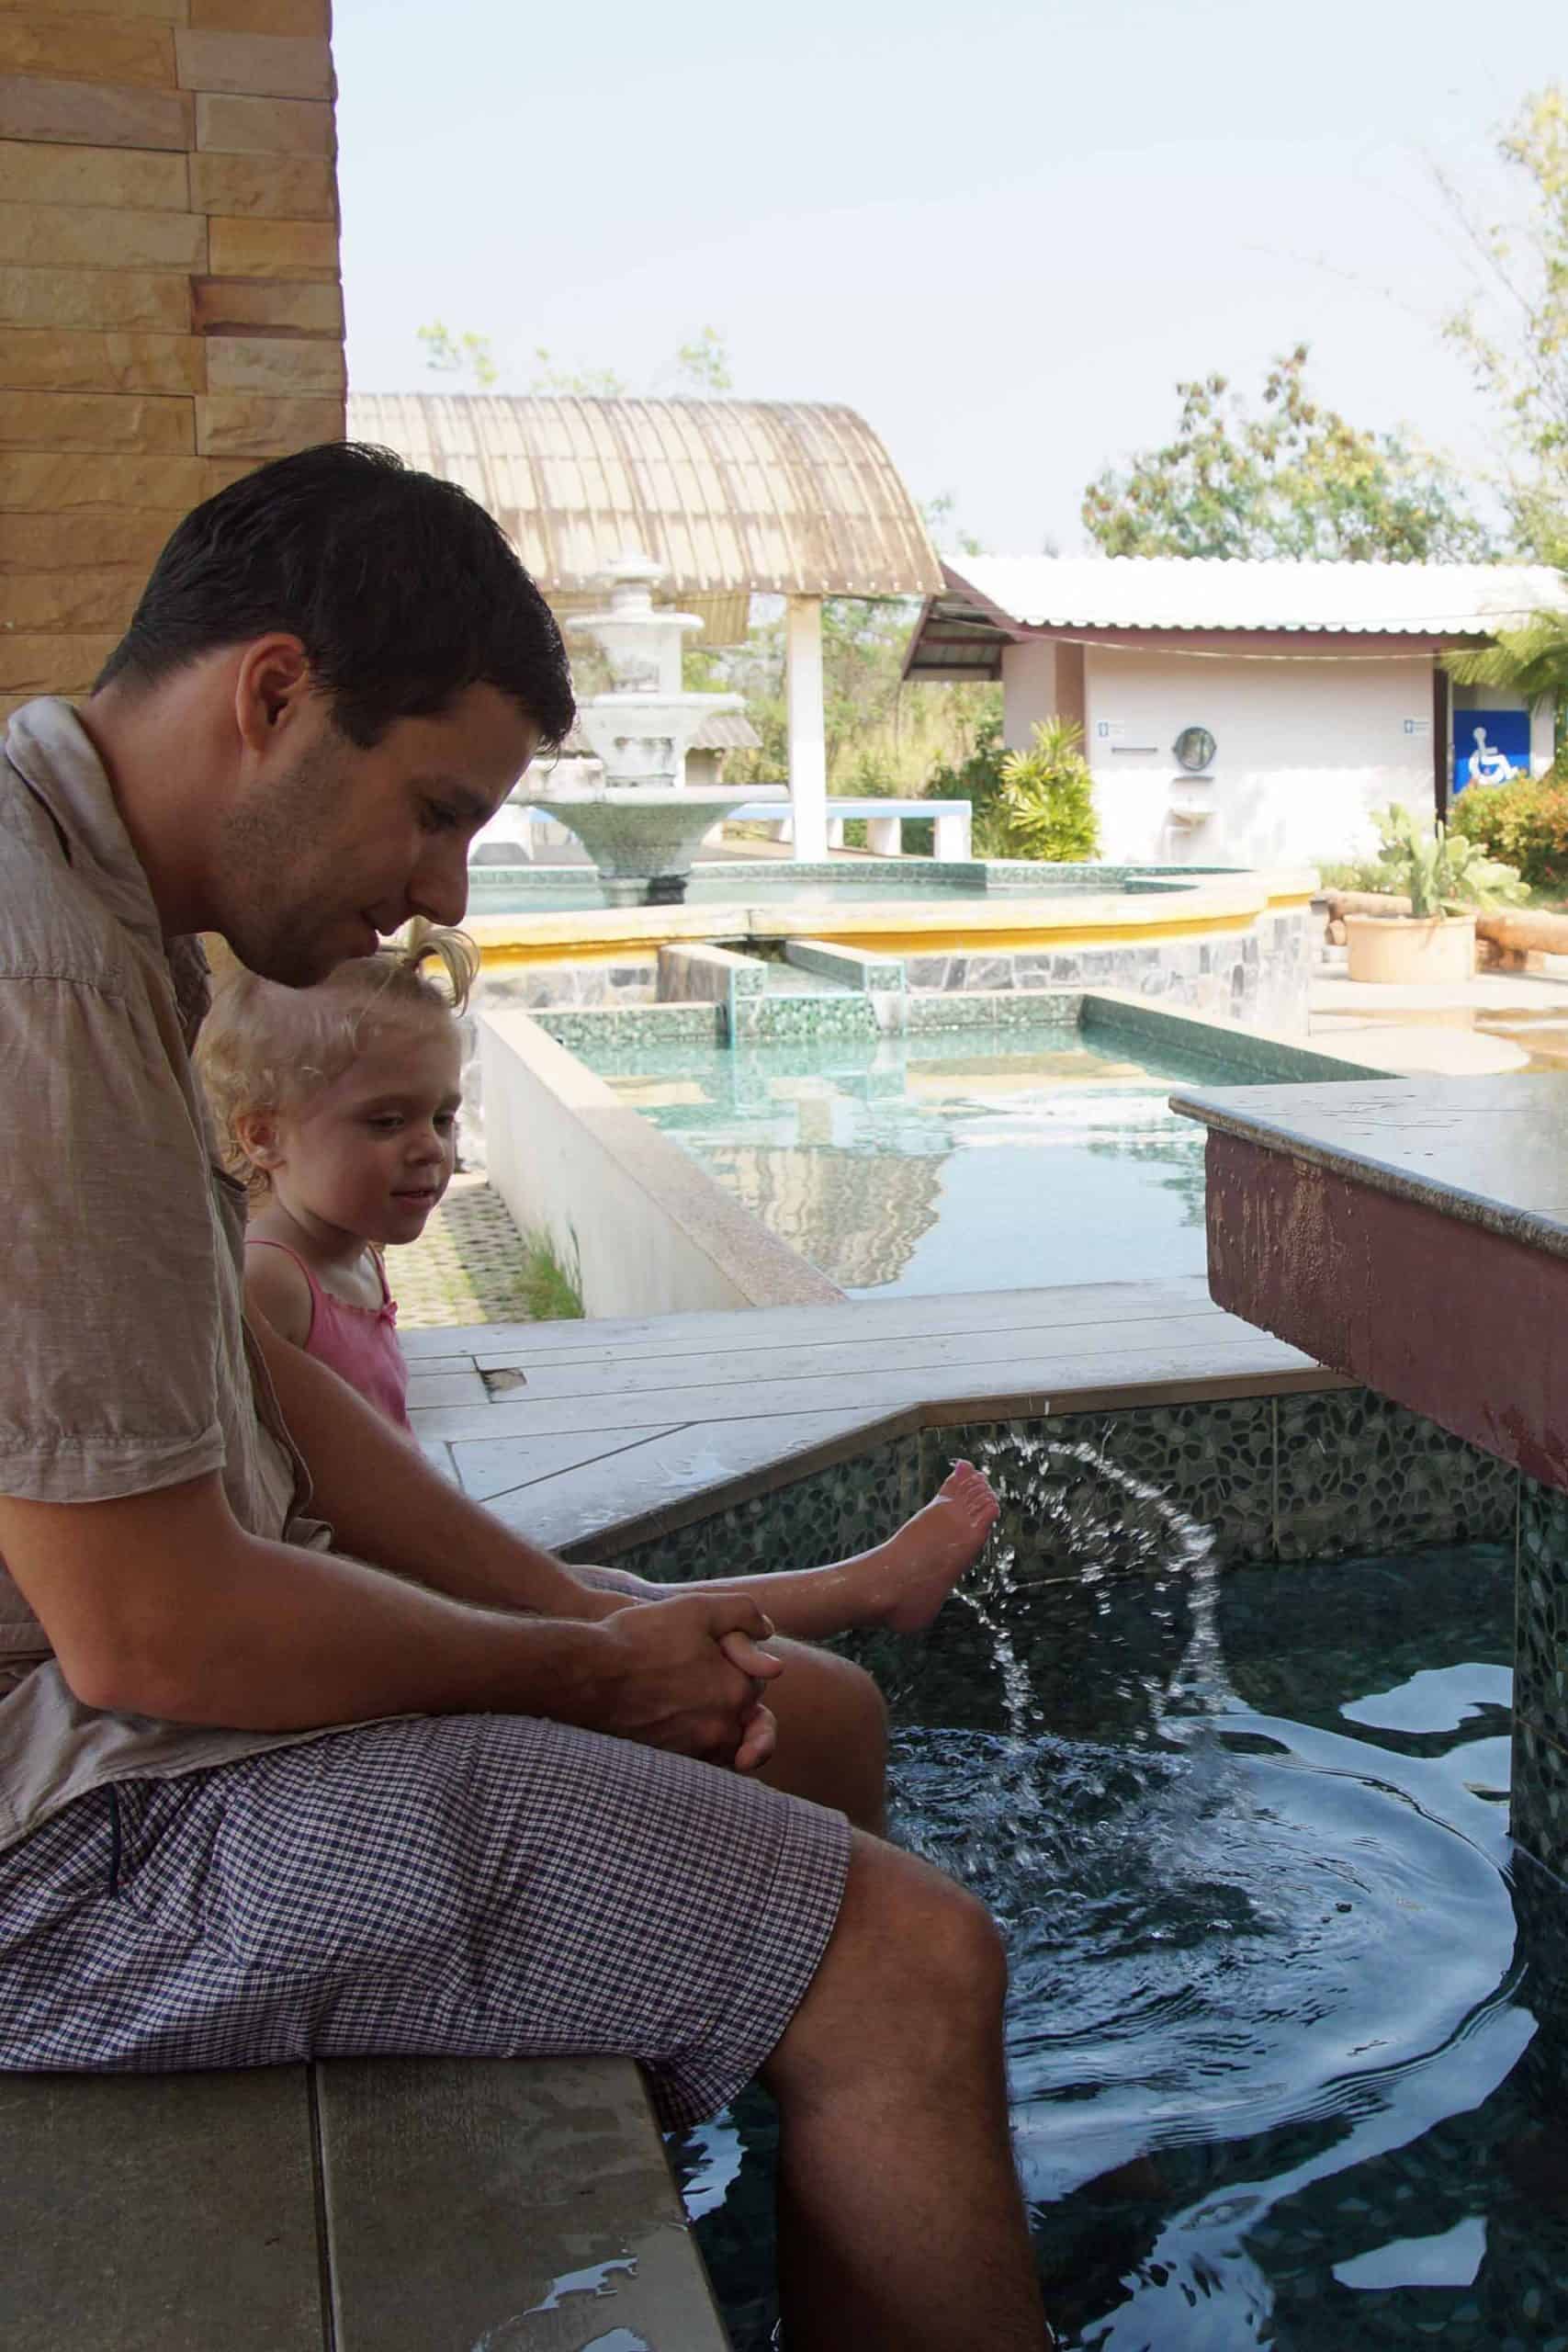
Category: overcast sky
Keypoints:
(1000, 231)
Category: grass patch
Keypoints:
(550, 1286)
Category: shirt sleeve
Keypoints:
(108, 1370)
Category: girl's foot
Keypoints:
(912, 1574)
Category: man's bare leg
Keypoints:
(832, 1735)
(901, 2224)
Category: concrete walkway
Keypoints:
(467, 1266)
(1482, 1027)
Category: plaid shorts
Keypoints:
(464, 1885)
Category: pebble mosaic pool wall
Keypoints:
(1258, 975)
(1323, 1476)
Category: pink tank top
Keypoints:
(360, 1343)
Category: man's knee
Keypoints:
(915, 1975)
(835, 1708)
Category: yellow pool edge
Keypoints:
(607, 934)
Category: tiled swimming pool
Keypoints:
(1273, 2021)
(978, 1160)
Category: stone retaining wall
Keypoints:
(170, 305)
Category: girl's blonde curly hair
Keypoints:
(266, 1048)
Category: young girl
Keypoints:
(337, 1106)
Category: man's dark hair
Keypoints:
(401, 589)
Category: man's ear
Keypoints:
(256, 1133)
(270, 686)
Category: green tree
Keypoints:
(884, 737)
(459, 355)
(1291, 479)
(702, 365)
(699, 367)
(575, 383)
(1514, 331)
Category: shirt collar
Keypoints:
(53, 753)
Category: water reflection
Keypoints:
(919, 1164)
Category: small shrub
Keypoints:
(1525, 824)
(977, 779)
(1346, 872)
(1047, 807)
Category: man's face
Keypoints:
(327, 847)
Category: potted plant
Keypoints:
(1448, 880)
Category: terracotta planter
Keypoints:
(1409, 948)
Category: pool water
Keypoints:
(964, 1161)
(1246, 1838)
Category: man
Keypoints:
(261, 1798)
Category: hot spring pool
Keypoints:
(1246, 1838)
(972, 1161)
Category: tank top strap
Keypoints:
(260, 1241)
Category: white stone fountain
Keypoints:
(642, 825)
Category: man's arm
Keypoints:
(161, 1604)
(387, 1504)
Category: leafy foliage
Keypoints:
(1045, 807)
(885, 738)
(1515, 332)
(459, 355)
(1347, 873)
(1292, 480)
(1525, 823)
(1531, 661)
(701, 365)
(978, 778)
(1438, 871)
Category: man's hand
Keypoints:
(686, 1672)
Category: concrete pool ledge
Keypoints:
(1416, 1237)
(571, 1160)
(595, 1437)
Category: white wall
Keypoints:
(651, 1231)
(1543, 737)
(1306, 750)
(1029, 690)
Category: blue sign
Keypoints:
(1490, 746)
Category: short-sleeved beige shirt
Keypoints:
(126, 1365)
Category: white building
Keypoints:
(1303, 695)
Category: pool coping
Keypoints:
(615, 1443)
(1075, 917)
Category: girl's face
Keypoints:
(372, 1152)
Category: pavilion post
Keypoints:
(807, 727)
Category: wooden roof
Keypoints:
(733, 497)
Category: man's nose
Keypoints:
(439, 889)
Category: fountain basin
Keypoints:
(644, 842)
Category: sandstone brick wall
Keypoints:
(170, 304)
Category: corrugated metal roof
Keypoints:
(733, 497)
(1196, 593)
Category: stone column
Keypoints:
(808, 728)
(170, 308)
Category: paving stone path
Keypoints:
(466, 1267)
